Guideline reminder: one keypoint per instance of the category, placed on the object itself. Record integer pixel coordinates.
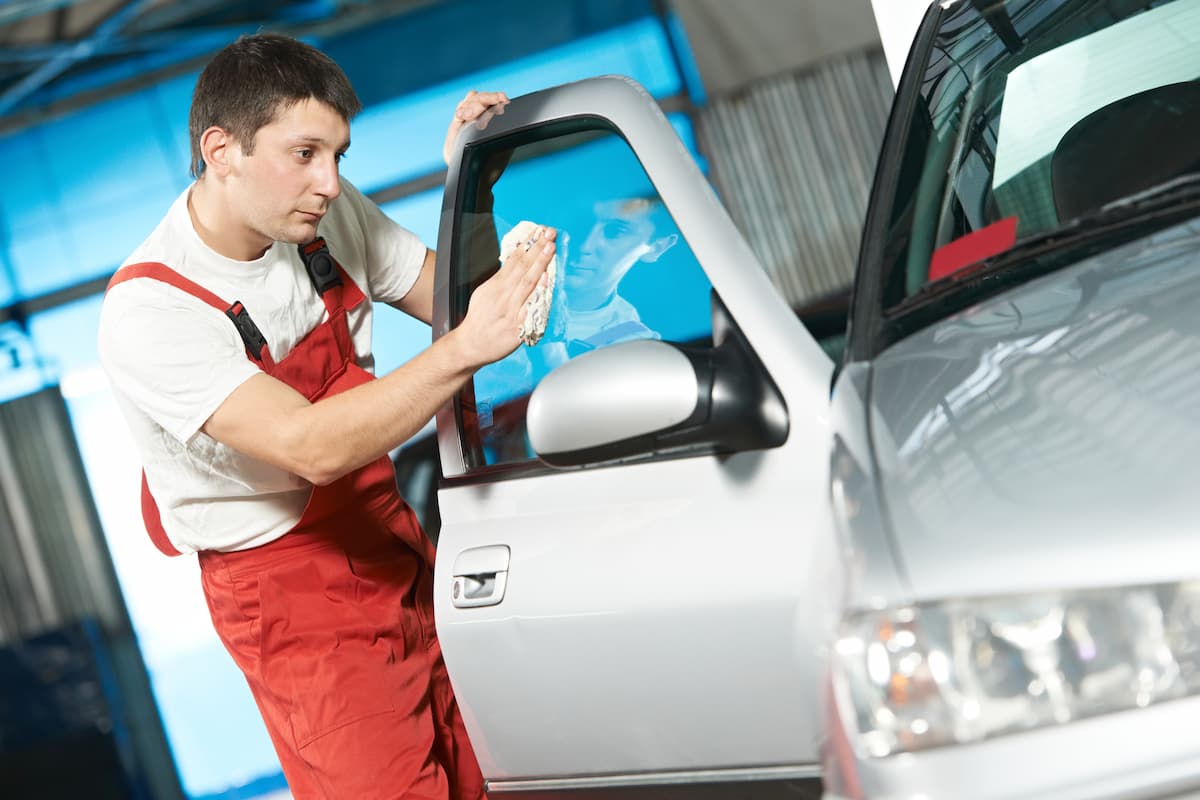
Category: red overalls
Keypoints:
(332, 623)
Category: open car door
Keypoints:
(648, 617)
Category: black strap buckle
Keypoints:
(322, 270)
(252, 337)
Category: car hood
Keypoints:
(1049, 437)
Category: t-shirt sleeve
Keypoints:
(393, 254)
(172, 356)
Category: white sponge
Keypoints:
(525, 234)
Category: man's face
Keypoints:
(613, 245)
(284, 187)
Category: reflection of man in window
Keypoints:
(625, 233)
(587, 311)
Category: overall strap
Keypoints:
(255, 342)
(328, 278)
(152, 519)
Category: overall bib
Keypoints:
(332, 624)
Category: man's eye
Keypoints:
(338, 157)
(305, 154)
(615, 230)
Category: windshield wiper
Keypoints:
(1184, 184)
(1050, 249)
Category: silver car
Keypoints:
(683, 554)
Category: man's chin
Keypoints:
(299, 234)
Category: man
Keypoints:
(622, 235)
(238, 346)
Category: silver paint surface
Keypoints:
(571, 410)
(1049, 437)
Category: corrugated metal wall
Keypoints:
(54, 563)
(793, 157)
(55, 568)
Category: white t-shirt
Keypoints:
(173, 359)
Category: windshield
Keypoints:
(1032, 116)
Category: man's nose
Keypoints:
(328, 184)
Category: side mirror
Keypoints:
(647, 398)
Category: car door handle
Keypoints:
(480, 576)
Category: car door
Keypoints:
(644, 622)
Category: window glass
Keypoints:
(1018, 125)
(624, 270)
(1033, 115)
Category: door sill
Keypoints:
(755, 783)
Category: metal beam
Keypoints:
(349, 17)
(13, 12)
(176, 14)
(82, 49)
(156, 30)
(185, 39)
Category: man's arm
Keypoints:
(419, 300)
(268, 420)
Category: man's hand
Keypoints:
(469, 109)
(492, 327)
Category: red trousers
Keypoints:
(332, 624)
(334, 631)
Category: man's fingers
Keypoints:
(536, 238)
(523, 268)
(491, 98)
(534, 271)
(475, 103)
(487, 98)
(468, 111)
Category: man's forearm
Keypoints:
(338, 434)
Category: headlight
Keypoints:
(966, 670)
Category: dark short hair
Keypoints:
(250, 81)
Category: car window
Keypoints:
(624, 271)
(1033, 114)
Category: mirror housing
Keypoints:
(647, 398)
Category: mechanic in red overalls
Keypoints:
(237, 343)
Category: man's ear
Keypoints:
(660, 246)
(218, 147)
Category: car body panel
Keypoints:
(872, 576)
(612, 629)
(661, 620)
(1032, 437)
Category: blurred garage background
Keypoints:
(112, 683)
